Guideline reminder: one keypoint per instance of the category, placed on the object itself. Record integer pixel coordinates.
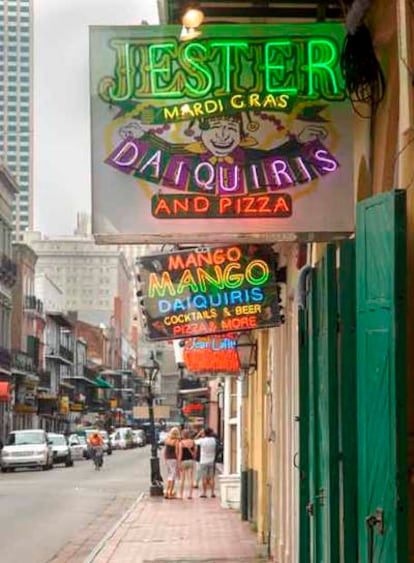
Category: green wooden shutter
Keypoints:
(347, 403)
(303, 436)
(323, 506)
(380, 274)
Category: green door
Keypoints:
(323, 505)
(381, 445)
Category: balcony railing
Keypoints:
(22, 361)
(33, 304)
(65, 353)
(8, 271)
(45, 379)
(5, 358)
(59, 352)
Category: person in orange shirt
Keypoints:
(96, 445)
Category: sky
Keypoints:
(62, 179)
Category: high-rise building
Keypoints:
(16, 103)
(95, 279)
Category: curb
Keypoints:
(100, 546)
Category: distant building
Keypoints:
(49, 293)
(90, 276)
(16, 103)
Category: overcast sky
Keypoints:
(61, 102)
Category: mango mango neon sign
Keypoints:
(232, 276)
(289, 66)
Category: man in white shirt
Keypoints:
(207, 443)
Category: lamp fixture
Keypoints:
(192, 18)
(246, 347)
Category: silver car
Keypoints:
(78, 446)
(27, 448)
(61, 450)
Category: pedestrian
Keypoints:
(187, 453)
(197, 468)
(207, 444)
(171, 456)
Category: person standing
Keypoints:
(171, 456)
(187, 452)
(207, 444)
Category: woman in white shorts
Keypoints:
(186, 455)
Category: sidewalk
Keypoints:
(180, 531)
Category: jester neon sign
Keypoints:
(286, 66)
(247, 126)
(212, 291)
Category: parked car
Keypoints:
(138, 437)
(78, 446)
(161, 437)
(107, 442)
(147, 429)
(27, 448)
(122, 438)
(61, 450)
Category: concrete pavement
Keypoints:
(180, 531)
(61, 515)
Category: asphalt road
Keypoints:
(41, 511)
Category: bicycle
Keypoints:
(97, 457)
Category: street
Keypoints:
(42, 511)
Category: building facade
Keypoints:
(8, 273)
(28, 325)
(16, 103)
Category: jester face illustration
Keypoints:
(221, 135)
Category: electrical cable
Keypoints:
(363, 75)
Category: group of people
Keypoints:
(189, 460)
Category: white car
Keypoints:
(138, 437)
(61, 449)
(77, 446)
(122, 438)
(27, 448)
(161, 437)
(75, 440)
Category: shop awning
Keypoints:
(99, 382)
(4, 391)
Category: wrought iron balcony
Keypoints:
(65, 353)
(5, 358)
(33, 304)
(22, 361)
(59, 353)
(8, 271)
(45, 379)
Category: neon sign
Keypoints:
(293, 66)
(215, 353)
(247, 127)
(210, 291)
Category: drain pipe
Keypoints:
(301, 287)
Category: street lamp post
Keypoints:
(150, 374)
